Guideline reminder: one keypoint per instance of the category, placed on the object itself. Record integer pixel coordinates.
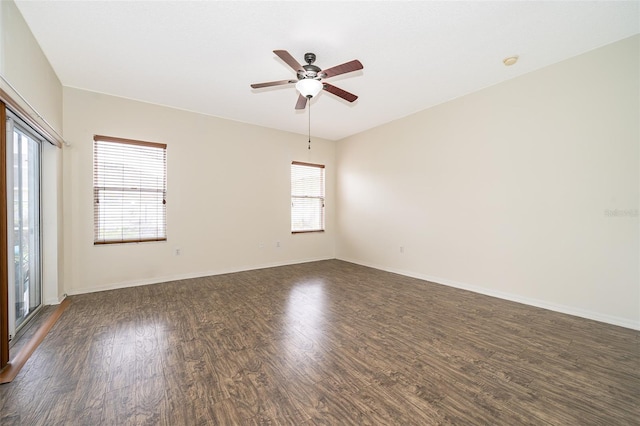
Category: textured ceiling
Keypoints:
(203, 55)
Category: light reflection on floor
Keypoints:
(305, 316)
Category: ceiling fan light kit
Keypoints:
(309, 87)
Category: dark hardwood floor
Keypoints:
(322, 343)
(29, 330)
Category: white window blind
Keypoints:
(129, 188)
(307, 197)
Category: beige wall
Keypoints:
(509, 191)
(228, 193)
(27, 69)
(29, 75)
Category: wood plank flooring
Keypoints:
(29, 330)
(30, 339)
(322, 343)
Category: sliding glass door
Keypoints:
(23, 197)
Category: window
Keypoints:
(307, 197)
(129, 190)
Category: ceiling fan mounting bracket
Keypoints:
(309, 58)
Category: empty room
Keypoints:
(335, 212)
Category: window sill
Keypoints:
(147, 240)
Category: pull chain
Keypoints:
(309, 147)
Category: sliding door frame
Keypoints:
(9, 101)
(24, 151)
(4, 259)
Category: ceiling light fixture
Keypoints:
(309, 87)
(510, 60)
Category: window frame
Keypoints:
(98, 237)
(320, 197)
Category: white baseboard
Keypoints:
(56, 301)
(564, 309)
(177, 277)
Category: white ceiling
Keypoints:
(203, 55)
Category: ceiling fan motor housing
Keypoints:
(309, 70)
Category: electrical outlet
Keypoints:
(401, 249)
(277, 244)
(178, 251)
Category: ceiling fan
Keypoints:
(309, 82)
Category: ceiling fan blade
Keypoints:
(272, 83)
(354, 65)
(347, 96)
(286, 56)
(302, 102)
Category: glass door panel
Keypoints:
(25, 295)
